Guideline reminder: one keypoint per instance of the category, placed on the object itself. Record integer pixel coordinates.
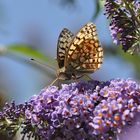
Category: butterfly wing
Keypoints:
(85, 53)
(64, 41)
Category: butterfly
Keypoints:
(78, 55)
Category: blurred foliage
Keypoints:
(67, 2)
(118, 52)
(98, 7)
(133, 59)
(28, 51)
(71, 3)
(4, 137)
(3, 99)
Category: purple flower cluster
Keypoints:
(90, 110)
(124, 24)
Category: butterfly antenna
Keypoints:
(42, 64)
(54, 81)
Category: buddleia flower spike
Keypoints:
(124, 18)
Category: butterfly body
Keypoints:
(68, 74)
(80, 54)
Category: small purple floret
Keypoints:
(124, 23)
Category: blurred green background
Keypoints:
(30, 29)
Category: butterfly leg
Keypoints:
(54, 81)
(74, 78)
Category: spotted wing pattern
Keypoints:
(85, 53)
(64, 41)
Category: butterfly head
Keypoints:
(64, 74)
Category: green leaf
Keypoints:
(30, 52)
(118, 52)
(134, 59)
(99, 5)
